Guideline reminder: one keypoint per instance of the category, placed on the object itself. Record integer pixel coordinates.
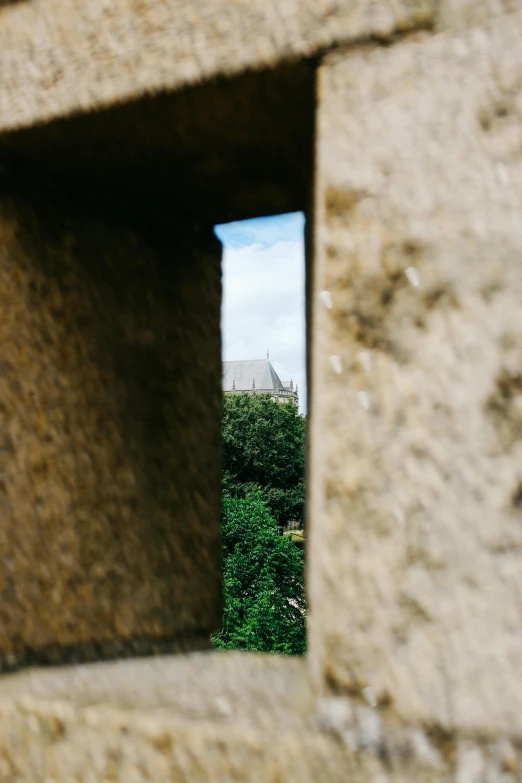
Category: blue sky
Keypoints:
(266, 231)
(264, 294)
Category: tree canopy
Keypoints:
(264, 448)
(263, 581)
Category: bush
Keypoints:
(264, 448)
(263, 581)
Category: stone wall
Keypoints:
(417, 371)
(110, 506)
(58, 57)
(110, 386)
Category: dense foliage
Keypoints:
(263, 580)
(264, 448)
(263, 489)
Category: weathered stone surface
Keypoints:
(110, 429)
(206, 686)
(415, 567)
(216, 717)
(110, 393)
(469, 13)
(62, 56)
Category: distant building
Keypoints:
(257, 376)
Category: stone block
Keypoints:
(110, 404)
(211, 717)
(67, 57)
(415, 567)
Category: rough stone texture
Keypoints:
(61, 56)
(110, 387)
(468, 13)
(222, 717)
(415, 562)
(110, 428)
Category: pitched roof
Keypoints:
(242, 374)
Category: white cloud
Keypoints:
(264, 307)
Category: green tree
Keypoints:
(263, 580)
(264, 447)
